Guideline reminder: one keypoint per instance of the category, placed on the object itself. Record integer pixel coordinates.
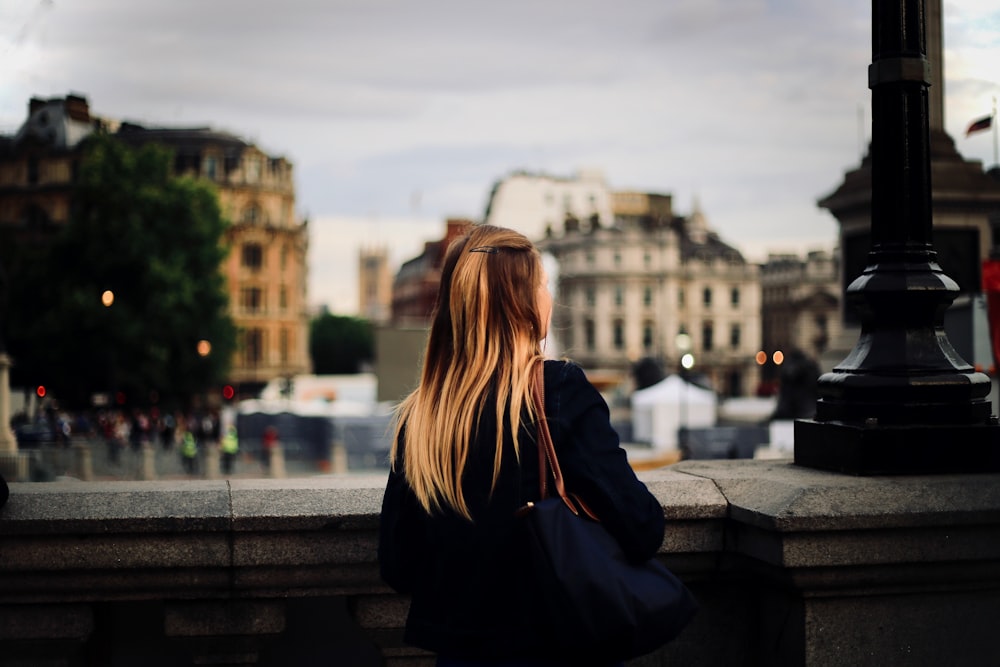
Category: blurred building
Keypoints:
(266, 270)
(415, 287)
(537, 204)
(374, 284)
(800, 306)
(39, 164)
(647, 283)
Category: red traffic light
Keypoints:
(228, 392)
(40, 391)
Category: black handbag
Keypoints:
(599, 604)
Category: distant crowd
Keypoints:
(122, 427)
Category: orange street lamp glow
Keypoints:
(779, 357)
(204, 347)
(761, 358)
(108, 298)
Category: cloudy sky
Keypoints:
(400, 113)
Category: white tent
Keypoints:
(658, 411)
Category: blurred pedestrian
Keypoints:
(189, 452)
(269, 442)
(167, 431)
(230, 446)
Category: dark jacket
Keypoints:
(471, 590)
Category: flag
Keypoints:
(991, 287)
(980, 125)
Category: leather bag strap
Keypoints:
(548, 462)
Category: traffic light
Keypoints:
(228, 392)
(40, 391)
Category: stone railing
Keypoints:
(791, 567)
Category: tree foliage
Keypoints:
(156, 242)
(339, 344)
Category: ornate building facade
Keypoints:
(650, 284)
(266, 269)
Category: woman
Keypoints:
(464, 461)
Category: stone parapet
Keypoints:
(791, 566)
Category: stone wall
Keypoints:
(791, 566)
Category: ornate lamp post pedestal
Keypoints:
(903, 401)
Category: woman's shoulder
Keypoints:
(561, 372)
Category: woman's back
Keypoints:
(472, 594)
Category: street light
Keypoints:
(107, 299)
(683, 343)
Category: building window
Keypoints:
(618, 258)
(647, 259)
(735, 383)
(253, 170)
(734, 297)
(706, 296)
(252, 299)
(32, 169)
(647, 335)
(680, 297)
(284, 258)
(590, 257)
(211, 168)
(283, 346)
(619, 295)
(647, 296)
(34, 217)
(734, 336)
(253, 347)
(618, 334)
(588, 333)
(253, 215)
(590, 297)
(253, 256)
(283, 298)
(706, 336)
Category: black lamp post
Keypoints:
(903, 401)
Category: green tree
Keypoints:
(340, 344)
(154, 241)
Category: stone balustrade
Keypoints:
(791, 566)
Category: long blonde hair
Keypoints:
(484, 338)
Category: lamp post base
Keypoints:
(897, 450)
